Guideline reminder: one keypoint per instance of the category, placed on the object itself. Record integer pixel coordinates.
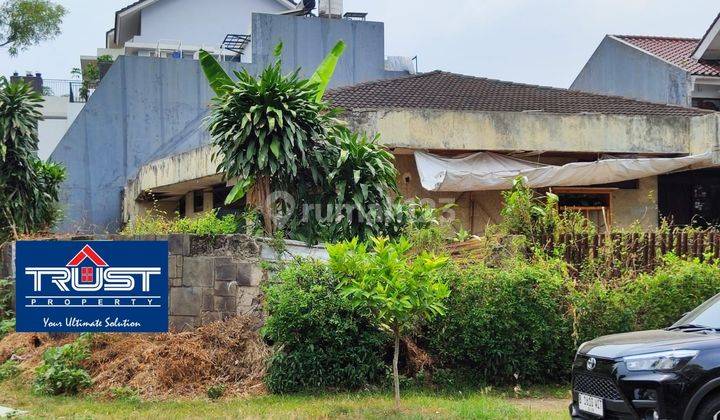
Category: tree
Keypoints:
(398, 288)
(275, 133)
(28, 186)
(24, 23)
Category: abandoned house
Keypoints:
(457, 139)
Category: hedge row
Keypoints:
(519, 323)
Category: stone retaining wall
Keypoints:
(210, 278)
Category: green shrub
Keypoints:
(6, 327)
(6, 295)
(9, 369)
(155, 222)
(661, 298)
(320, 340)
(61, 371)
(506, 324)
(602, 310)
(215, 392)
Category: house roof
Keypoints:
(677, 51)
(708, 38)
(456, 92)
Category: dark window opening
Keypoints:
(198, 201)
(181, 207)
(690, 198)
(706, 103)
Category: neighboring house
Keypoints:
(61, 105)
(149, 108)
(451, 115)
(681, 71)
(161, 27)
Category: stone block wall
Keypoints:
(213, 278)
(209, 278)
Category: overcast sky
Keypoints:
(532, 41)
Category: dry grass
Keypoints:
(163, 365)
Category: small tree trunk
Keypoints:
(257, 197)
(396, 375)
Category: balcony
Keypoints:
(72, 89)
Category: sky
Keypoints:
(543, 42)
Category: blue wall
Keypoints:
(620, 69)
(148, 108)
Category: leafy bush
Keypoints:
(215, 392)
(649, 301)
(6, 295)
(320, 340)
(506, 322)
(6, 327)
(9, 369)
(158, 223)
(61, 371)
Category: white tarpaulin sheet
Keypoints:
(486, 171)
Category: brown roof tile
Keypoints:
(449, 91)
(677, 51)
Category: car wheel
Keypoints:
(709, 409)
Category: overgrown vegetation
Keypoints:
(156, 222)
(7, 316)
(28, 186)
(61, 371)
(321, 341)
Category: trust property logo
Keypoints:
(87, 272)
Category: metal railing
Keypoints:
(68, 88)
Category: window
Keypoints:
(198, 201)
(593, 203)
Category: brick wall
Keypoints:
(210, 278)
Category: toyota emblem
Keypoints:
(591, 362)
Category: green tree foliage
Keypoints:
(24, 23)
(321, 342)
(275, 133)
(28, 186)
(399, 289)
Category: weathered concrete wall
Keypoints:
(636, 207)
(148, 108)
(617, 68)
(502, 131)
(210, 278)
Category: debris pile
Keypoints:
(230, 353)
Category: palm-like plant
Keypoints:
(264, 127)
(28, 186)
(275, 132)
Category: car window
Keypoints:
(707, 314)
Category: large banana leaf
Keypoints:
(325, 71)
(219, 80)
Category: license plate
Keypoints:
(590, 404)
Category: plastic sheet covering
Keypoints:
(486, 171)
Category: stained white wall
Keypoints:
(194, 22)
(58, 114)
